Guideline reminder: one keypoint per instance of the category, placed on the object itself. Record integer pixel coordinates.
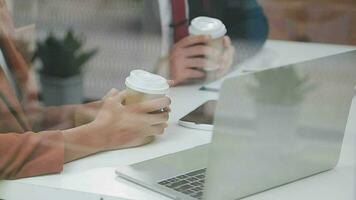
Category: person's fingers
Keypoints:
(227, 61)
(157, 129)
(113, 99)
(230, 55)
(176, 82)
(122, 96)
(227, 41)
(168, 109)
(200, 63)
(152, 105)
(202, 50)
(193, 40)
(154, 119)
(192, 74)
(171, 83)
(111, 93)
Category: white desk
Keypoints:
(94, 177)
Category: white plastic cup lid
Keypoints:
(148, 83)
(207, 26)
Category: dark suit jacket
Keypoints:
(244, 18)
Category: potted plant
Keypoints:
(63, 61)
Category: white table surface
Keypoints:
(94, 177)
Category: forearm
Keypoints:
(33, 154)
(51, 118)
(80, 142)
(62, 117)
(30, 154)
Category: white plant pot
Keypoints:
(62, 91)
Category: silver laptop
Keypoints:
(271, 128)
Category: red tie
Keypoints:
(180, 22)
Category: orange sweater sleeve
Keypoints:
(31, 154)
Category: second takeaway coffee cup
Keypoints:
(143, 86)
(216, 30)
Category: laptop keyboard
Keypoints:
(191, 184)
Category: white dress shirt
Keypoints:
(6, 70)
(165, 8)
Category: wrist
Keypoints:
(85, 114)
(80, 142)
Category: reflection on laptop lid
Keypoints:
(280, 125)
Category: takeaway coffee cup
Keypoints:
(143, 86)
(214, 28)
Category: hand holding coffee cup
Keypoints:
(146, 88)
(223, 58)
(118, 126)
(129, 118)
(206, 49)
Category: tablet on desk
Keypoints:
(201, 118)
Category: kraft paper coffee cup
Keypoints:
(143, 86)
(216, 30)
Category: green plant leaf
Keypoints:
(62, 57)
(84, 57)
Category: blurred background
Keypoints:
(113, 29)
(327, 21)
